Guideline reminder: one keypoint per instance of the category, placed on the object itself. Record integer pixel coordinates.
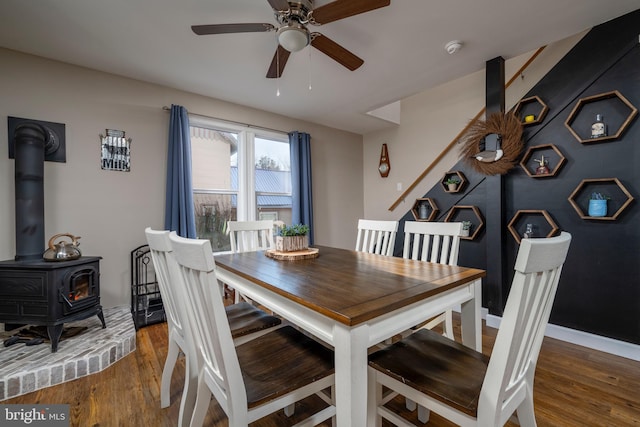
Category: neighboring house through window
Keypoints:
(239, 173)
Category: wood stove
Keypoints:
(32, 290)
(50, 293)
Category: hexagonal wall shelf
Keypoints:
(538, 218)
(528, 107)
(453, 174)
(620, 197)
(552, 154)
(616, 110)
(467, 213)
(432, 209)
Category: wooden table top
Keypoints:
(348, 286)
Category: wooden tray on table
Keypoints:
(293, 255)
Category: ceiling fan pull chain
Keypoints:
(309, 49)
(277, 68)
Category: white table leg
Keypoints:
(471, 318)
(350, 346)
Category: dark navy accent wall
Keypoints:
(599, 291)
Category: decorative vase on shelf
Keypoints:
(424, 211)
(597, 208)
(598, 205)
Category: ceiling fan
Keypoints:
(293, 16)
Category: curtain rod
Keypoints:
(231, 121)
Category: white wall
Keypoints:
(429, 121)
(110, 210)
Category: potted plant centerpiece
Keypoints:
(292, 238)
(598, 205)
(452, 183)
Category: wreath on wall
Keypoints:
(492, 147)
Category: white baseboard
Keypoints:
(585, 339)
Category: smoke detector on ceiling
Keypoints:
(453, 46)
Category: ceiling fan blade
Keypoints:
(202, 30)
(340, 9)
(278, 62)
(335, 51)
(279, 5)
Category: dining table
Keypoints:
(353, 301)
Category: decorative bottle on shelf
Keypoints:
(528, 233)
(598, 128)
(543, 169)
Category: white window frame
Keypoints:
(246, 193)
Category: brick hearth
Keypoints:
(25, 369)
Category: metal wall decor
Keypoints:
(115, 151)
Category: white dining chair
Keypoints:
(462, 385)
(259, 377)
(249, 236)
(437, 242)
(376, 237)
(246, 322)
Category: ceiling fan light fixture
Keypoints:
(293, 37)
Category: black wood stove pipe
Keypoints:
(31, 142)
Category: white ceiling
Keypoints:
(402, 46)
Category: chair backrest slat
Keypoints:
(250, 236)
(437, 242)
(515, 352)
(376, 237)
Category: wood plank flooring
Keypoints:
(574, 386)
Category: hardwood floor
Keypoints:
(574, 386)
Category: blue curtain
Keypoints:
(179, 215)
(302, 205)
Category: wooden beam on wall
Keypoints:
(494, 206)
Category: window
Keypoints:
(239, 173)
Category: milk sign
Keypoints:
(115, 151)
